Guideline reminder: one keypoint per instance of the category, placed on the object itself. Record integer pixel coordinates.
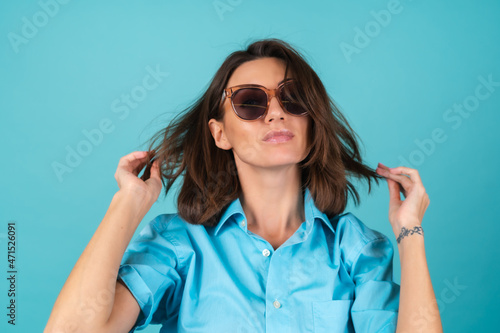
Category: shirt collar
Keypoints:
(235, 212)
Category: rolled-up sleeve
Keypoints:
(376, 301)
(149, 270)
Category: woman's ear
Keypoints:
(219, 135)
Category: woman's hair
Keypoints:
(210, 180)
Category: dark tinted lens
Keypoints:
(288, 96)
(250, 103)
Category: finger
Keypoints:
(384, 171)
(394, 191)
(402, 190)
(380, 165)
(147, 171)
(147, 161)
(395, 201)
(414, 176)
(155, 170)
(155, 179)
(132, 158)
(133, 161)
(406, 182)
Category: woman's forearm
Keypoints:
(418, 309)
(86, 299)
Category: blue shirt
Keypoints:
(331, 275)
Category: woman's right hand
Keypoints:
(128, 181)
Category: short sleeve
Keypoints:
(376, 300)
(149, 270)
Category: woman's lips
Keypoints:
(279, 139)
(278, 136)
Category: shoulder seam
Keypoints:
(364, 239)
(358, 253)
(169, 237)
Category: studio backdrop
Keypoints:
(83, 83)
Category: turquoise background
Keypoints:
(396, 89)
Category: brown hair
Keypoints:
(210, 181)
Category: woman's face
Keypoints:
(254, 142)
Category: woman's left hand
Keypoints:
(409, 212)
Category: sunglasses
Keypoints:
(251, 101)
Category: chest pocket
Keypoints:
(332, 316)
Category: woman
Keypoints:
(260, 242)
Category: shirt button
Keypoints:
(277, 304)
(266, 253)
(243, 223)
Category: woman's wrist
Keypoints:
(133, 202)
(411, 250)
(408, 231)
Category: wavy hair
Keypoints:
(210, 182)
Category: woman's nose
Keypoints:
(275, 111)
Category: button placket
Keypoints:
(277, 287)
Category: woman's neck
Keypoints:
(272, 201)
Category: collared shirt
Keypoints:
(331, 275)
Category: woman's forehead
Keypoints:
(267, 72)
